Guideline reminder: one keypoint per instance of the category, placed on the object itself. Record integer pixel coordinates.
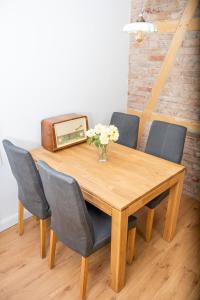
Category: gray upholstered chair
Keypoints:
(128, 128)
(81, 227)
(165, 141)
(30, 190)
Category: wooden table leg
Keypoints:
(173, 209)
(118, 249)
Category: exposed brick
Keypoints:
(157, 58)
(181, 95)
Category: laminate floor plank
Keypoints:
(160, 270)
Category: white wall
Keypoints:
(57, 56)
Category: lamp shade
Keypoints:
(139, 26)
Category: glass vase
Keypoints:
(103, 153)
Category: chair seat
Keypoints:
(102, 226)
(153, 203)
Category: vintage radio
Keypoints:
(63, 131)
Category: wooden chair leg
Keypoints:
(84, 275)
(131, 245)
(20, 218)
(43, 229)
(53, 240)
(149, 223)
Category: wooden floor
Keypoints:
(160, 271)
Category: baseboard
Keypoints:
(12, 220)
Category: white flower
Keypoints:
(102, 135)
(115, 136)
(90, 133)
(104, 138)
(114, 133)
(99, 128)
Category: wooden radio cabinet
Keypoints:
(63, 131)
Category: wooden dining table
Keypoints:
(120, 187)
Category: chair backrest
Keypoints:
(30, 189)
(128, 128)
(166, 141)
(70, 219)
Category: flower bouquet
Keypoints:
(101, 136)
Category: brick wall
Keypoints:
(181, 94)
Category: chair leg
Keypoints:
(20, 218)
(149, 223)
(43, 229)
(131, 245)
(84, 275)
(53, 240)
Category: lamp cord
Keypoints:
(142, 7)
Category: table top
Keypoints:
(127, 175)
